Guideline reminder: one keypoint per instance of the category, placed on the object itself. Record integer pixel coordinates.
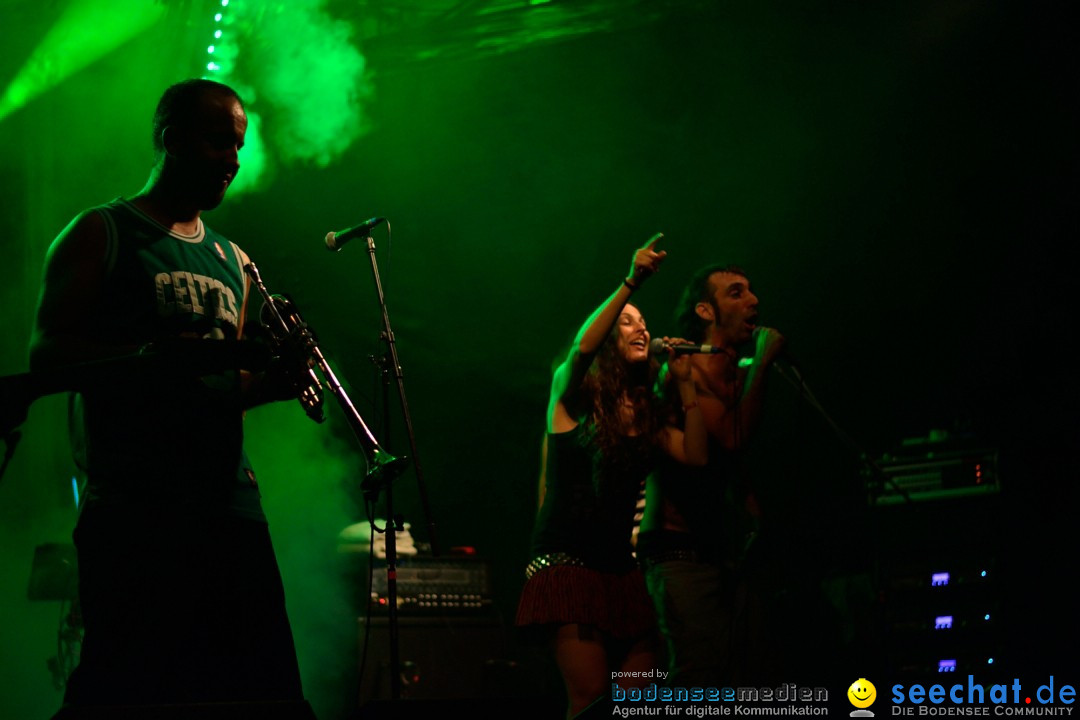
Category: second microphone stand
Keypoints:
(391, 367)
(790, 372)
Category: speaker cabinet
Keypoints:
(455, 657)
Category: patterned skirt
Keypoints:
(564, 592)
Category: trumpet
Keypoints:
(283, 321)
(280, 316)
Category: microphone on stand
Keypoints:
(335, 240)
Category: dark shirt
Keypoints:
(589, 501)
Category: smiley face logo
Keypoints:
(862, 693)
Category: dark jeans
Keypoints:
(711, 622)
(180, 610)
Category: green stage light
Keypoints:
(87, 31)
(298, 64)
(254, 167)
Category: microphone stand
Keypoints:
(371, 496)
(391, 364)
(790, 372)
(794, 376)
(393, 524)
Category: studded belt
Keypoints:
(551, 560)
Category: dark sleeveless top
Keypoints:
(589, 503)
(168, 443)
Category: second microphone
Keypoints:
(336, 239)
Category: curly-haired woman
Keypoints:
(605, 424)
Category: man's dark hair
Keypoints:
(181, 103)
(699, 290)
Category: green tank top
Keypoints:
(171, 442)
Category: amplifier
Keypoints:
(935, 476)
(440, 657)
(436, 584)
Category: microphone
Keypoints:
(334, 240)
(659, 347)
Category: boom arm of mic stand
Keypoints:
(793, 376)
